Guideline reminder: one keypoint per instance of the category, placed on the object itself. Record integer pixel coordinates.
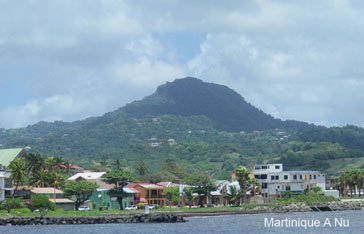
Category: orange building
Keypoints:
(148, 193)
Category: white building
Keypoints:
(6, 186)
(274, 181)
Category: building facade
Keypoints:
(6, 186)
(275, 181)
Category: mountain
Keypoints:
(213, 126)
(190, 96)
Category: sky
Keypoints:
(71, 59)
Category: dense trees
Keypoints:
(351, 182)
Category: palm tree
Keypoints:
(33, 163)
(17, 171)
(188, 192)
(40, 178)
(234, 195)
(242, 174)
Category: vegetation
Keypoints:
(118, 178)
(206, 120)
(309, 199)
(233, 195)
(172, 195)
(42, 204)
(202, 185)
(349, 180)
(17, 170)
(242, 175)
(79, 190)
(11, 203)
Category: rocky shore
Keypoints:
(297, 207)
(138, 218)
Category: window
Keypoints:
(264, 185)
(257, 168)
(277, 177)
(295, 177)
(314, 177)
(278, 187)
(263, 177)
(264, 167)
(300, 177)
(272, 177)
(154, 192)
(257, 176)
(310, 177)
(288, 188)
(277, 167)
(286, 177)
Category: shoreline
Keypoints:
(178, 216)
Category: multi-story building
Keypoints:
(274, 180)
(6, 157)
(6, 186)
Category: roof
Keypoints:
(70, 166)
(146, 185)
(8, 155)
(302, 172)
(168, 184)
(47, 190)
(87, 175)
(61, 200)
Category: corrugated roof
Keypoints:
(8, 155)
(47, 190)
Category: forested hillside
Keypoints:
(198, 125)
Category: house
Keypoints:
(54, 195)
(148, 193)
(101, 200)
(6, 186)
(6, 156)
(95, 177)
(217, 196)
(71, 168)
(274, 180)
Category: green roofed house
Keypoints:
(6, 156)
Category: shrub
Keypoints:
(141, 205)
(12, 203)
(42, 203)
(20, 211)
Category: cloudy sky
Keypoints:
(71, 59)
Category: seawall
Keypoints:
(137, 218)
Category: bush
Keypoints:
(12, 203)
(141, 205)
(20, 211)
(42, 203)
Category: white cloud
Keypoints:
(295, 60)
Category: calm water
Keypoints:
(217, 224)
